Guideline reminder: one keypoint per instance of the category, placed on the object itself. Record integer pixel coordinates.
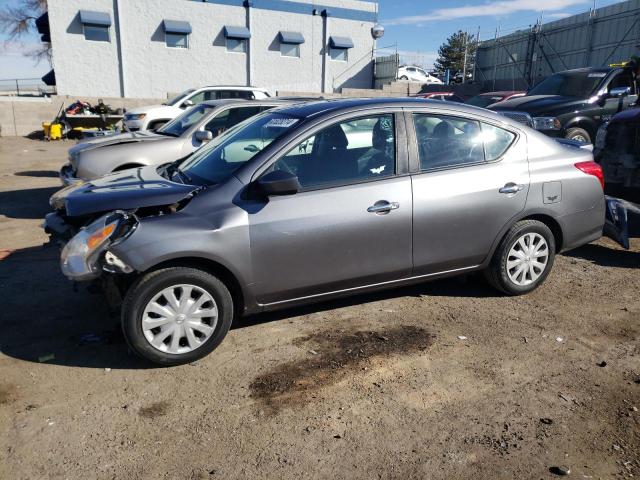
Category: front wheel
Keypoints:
(579, 134)
(523, 259)
(176, 315)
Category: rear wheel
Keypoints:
(176, 315)
(523, 259)
(579, 134)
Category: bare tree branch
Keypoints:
(19, 20)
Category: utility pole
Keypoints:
(464, 66)
(475, 60)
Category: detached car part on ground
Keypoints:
(318, 200)
(573, 104)
(181, 136)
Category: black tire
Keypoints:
(497, 274)
(149, 285)
(404, 77)
(578, 134)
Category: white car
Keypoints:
(153, 117)
(417, 74)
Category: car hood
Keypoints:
(121, 139)
(126, 190)
(537, 104)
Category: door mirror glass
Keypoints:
(187, 104)
(279, 182)
(618, 92)
(204, 136)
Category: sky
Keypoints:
(415, 28)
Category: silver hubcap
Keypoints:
(527, 259)
(180, 319)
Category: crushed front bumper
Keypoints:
(68, 176)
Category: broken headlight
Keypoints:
(79, 258)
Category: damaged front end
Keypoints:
(622, 220)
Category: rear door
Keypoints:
(349, 226)
(472, 179)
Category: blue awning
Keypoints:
(95, 18)
(291, 37)
(237, 32)
(175, 26)
(341, 42)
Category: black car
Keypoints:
(574, 103)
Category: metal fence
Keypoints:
(25, 87)
(595, 38)
(385, 70)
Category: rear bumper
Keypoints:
(582, 227)
(68, 176)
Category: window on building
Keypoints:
(176, 33)
(290, 50)
(96, 33)
(95, 25)
(236, 45)
(177, 40)
(290, 44)
(339, 48)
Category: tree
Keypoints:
(451, 54)
(19, 20)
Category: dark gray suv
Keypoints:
(327, 198)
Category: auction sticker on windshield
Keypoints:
(281, 122)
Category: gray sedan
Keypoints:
(317, 200)
(176, 139)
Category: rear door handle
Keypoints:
(511, 188)
(382, 206)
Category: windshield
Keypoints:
(177, 99)
(483, 100)
(569, 84)
(225, 154)
(184, 122)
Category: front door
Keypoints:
(349, 226)
(473, 180)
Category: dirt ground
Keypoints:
(446, 380)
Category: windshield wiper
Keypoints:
(173, 168)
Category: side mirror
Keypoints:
(204, 136)
(619, 92)
(187, 104)
(279, 182)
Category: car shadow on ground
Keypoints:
(606, 257)
(29, 203)
(38, 174)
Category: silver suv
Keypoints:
(307, 202)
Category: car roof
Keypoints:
(313, 109)
(590, 69)
(243, 88)
(503, 93)
(265, 101)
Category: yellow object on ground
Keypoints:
(56, 131)
(46, 127)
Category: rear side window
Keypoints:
(447, 141)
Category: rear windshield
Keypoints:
(225, 154)
(569, 84)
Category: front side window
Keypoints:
(182, 123)
(346, 152)
(290, 50)
(339, 54)
(220, 158)
(96, 33)
(236, 45)
(446, 141)
(177, 40)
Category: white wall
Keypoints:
(150, 69)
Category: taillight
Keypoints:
(592, 168)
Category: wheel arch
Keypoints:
(224, 274)
(585, 123)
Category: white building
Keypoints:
(150, 48)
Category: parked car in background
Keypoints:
(617, 150)
(457, 78)
(417, 74)
(154, 116)
(486, 99)
(574, 103)
(448, 96)
(282, 210)
(181, 136)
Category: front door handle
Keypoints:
(382, 206)
(511, 188)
